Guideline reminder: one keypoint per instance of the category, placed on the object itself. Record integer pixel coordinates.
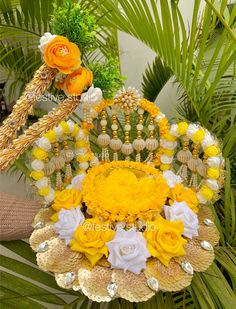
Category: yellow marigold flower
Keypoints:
(213, 172)
(39, 153)
(51, 136)
(66, 199)
(182, 127)
(165, 167)
(44, 191)
(198, 136)
(90, 239)
(207, 192)
(62, 54)
(76, 82)
(212, 151)
(65, 127)
(164, 240)
(179, 193)
(136, 196)
(37, 175)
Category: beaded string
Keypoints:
(139, 143)
(127, 147)
(184, 155)
(151, 142)
(115, 143)
(104, 138)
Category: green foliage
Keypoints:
(107, 76)
(77, 25)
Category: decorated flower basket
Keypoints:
(124, 194)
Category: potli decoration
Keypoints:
(124, 194)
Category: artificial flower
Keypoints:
(67, 199)
(92, 97)
(62, 55)
(43, 182)
(211, 151)
(37, 175)
(213, 184)
(174, 130)
(50, 197)
(44, 191)
(166, 159)
(182, 128)
(213, 172)
(171, 178)
(39, 153)
(167, 144)
(214, 161)
(192, 129)
(181, 194)
(179, 211)
(76, 182)
(206, 192)
(198, 136)
(208, 140)
(164, 240)
(44, 40)
(91, 238)
(128, 251)
(37, 165)
(68, 221)
(44, 143)
(76, 82)
(51, 136)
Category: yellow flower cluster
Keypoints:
(67, 199)
(103, 104)
(124, 191)
(164, 240)
(179, 193)
(150, 107)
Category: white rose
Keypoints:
(37, 165)
(50, 197)
(181, 212)
(192, 128)
(76, 182)
(92, 97)
(166, 159)
(41, 183)
(167, 144)
(44, 40)
(44, 143)
(208, 140)
(128, 251)
(68, 221)
(214, 161)
(171, 178)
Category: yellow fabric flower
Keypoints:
(76, 82)
(66, 199)
(90, 239)
(62, 55)
(169, 137)
(127, 190)
(164, 240)
(168, 152)
(182, 127)
(179, 193)
(65, 127)
(51, 136)
(213, 172)
(80, 144)
(44, 191)
(207, 192)
(212, 151)
(39, 153)
(198, 136)
(165, 167)
(37, 175)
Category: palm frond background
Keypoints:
(203, 62)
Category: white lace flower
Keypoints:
(92, 97)
(44, 143)
(128, 251)
(44, 40)
(179, 211)
(68, 221)
(76, 182)
(214, 161)
(171, 178)
(37, 165)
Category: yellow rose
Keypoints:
(90, 239)
(39, 153)
(179, 193)
(198, 136)
(182, 127)
(212, 151)
(164, 239)
(66, 199)
(213, 172)
(62, 55)
(78, 81)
